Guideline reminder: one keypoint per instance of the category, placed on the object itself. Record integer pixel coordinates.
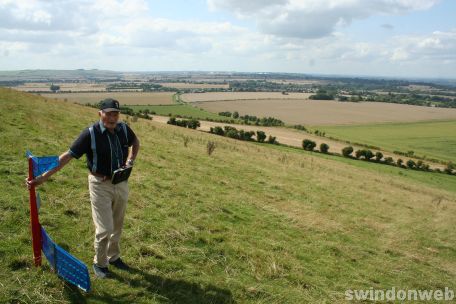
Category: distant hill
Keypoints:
(58, 75)
(357, 81)
(249, 224)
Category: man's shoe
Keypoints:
(100, 272)
(119, 264)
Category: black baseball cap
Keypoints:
(109, 105)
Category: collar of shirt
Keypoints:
(103, 128)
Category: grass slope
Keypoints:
(249, 224)
(434, 139)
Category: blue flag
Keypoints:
(65, 265)
(42, 164)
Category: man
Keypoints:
(106, 145)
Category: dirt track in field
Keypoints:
(292, 137)
(192, 85)
(233, 96)
(324, 112)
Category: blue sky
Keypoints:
(395, 38)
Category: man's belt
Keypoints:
(104, 177)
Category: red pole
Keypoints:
(36, 227)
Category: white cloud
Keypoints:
(313, 18)
(436, 46)
(115, 34)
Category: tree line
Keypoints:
(251, 119)
(234, 133)
(378, 157)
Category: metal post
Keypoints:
(35, 223)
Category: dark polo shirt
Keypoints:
(112, 149)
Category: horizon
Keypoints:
(396, 39)
(316, 75)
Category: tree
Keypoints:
(229, 128)
(368, 154)
(54, 88)
(232, 133)
(236, 115)
(218, 130)
(359, 153)
(378, 156)
(308, 144)
(411, 164)
(399, 162)
(272, 140)
(347, 151)
(420, 165)
(449, 168)
(193, 124)
(389, 160)
(246, 135)
(324, 148)
(261, 136)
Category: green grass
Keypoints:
(433, 139)
(183, 110)
(248, 224)
(434, 179)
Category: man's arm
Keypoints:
(63, 160)
(133, 152)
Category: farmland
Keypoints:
(180, 110)
(224, 96)
(328, 112)
(193, 85)
(249, 224)
(432, 139)
(125, 98)
(64, 86)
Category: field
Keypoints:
(64, 86)
(223, 96)
(125, 98)
(321, 112)
(191, 85)
(432, 139)
(249, 224)
(182, 110)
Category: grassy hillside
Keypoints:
(249, 224)
(434, 139)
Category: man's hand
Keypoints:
(63, 160)
(35, 182)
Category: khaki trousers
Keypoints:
(109, 203)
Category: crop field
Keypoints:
(125, 98)
(223, 96)
(180, 109)
(249, 223)
(191, 85)
(431, 139)
(74, 87)
(324, 112)
(300, 81)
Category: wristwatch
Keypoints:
(130, 162)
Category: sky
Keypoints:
(393, 38)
